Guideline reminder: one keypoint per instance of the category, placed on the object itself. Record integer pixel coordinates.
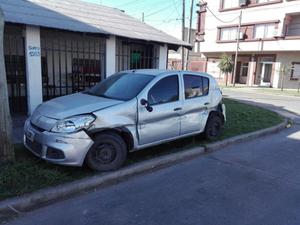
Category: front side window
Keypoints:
(164, 91)
(264, 31)
(195, 86)
(124, 86)
(228, 34)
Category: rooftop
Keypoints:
(78, 16)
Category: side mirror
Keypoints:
(145, 103)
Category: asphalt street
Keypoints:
(255, 183)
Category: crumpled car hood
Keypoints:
(75, 104)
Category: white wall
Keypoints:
(285, 59)
(163, 55)
(213, 69)
(110, 55)
(33, 67)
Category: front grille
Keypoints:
(53, 153)
(36, 127)
(34, 146)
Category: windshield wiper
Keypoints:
(88, 93)
(102, 95)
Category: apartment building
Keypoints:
(269, 39)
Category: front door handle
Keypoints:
(177, 109)
(206, 103)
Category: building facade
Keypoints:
(269, 49)
(196, 60)
(54, 48)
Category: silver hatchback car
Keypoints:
(128, 111)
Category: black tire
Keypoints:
(214, 127)
(108, 152)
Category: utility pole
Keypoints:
(237, 47)
(189, 34)
(143, 17)
(183, 34)
(6, 148)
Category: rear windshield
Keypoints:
(122, 86)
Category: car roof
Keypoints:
(158, 72)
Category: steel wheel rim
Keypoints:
(105, 153)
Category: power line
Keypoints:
(128, 3)
(223, 21)
(176, 8)
(158, 11)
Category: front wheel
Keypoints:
(214, 127)
(108, 152)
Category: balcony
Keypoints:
(292, 26)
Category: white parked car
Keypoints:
(128, 111)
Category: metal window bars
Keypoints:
(71, 62)
(14, 52)
(136, 55)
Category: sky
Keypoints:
(162, 14)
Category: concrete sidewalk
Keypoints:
(287, 106)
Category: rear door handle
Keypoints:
(177, 109)
(206, 103)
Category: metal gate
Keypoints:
(136, 55)
(71, 62)
(14, 52)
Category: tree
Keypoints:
(226, 66)
(6, 146)
(284, 71)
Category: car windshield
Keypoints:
(122, 86)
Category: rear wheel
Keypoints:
(108, 152)
(214, 127)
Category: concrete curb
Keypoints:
(18, 205)
(30, 201)
(245, 137)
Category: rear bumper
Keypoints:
(63, 149)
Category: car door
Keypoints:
(196, 101)
(163, 122)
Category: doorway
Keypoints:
(242, 70)
(264, 71)
(15, 65)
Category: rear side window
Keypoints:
(164, 91)
(195, 86)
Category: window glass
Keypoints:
(264, 31)
(195, 86)
(295, 70)
(228, 34)
(263, 1)
(122, 86)
(244, 69)
(205, 82)
(230, 4)
(164, 91)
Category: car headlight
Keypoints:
(73, 124)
